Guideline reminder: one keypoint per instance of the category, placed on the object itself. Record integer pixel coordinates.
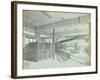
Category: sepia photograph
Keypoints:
(56, 39)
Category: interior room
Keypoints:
(56, 39)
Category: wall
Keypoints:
(5, 41)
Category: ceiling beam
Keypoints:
(62, 23)
(46, 14)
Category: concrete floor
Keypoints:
(54, 63)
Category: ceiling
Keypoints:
(61, 21)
